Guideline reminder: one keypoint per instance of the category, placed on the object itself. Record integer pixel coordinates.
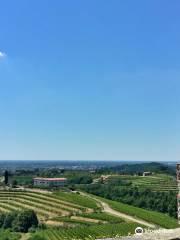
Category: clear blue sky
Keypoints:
(92, 79)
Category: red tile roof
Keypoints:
(50, 179)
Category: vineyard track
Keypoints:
(106, 208)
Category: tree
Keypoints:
(14, 183)
(24, 221)
(2, 217)
(6, 177)
(9, 218)
(84, 179)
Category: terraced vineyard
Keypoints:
(78, 216)
(46, 206)
(92, 232)
(157, 182)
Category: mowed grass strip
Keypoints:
(157, 218)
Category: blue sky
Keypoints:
(92, 79)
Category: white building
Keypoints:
(50, 182)
(146, 174)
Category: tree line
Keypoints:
(19, 221)
(164, 202)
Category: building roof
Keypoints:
(50, 179)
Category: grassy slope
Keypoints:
(104, 217)
(150, 216)
(77, 199)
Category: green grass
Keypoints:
(73, 221)
(77, 199)
(7, 235)
(91, 232)
(103, 217)
(22, 180)
(157, 218)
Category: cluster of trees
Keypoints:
(80, 179)
(6, 177)
(164, 202)
(19, 221)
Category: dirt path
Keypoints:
(25, 236)
(106, 208)
(84, 219)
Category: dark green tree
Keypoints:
(6, 177)
(14, 183)
(2, 217)
(9, 218)
(24, 221)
